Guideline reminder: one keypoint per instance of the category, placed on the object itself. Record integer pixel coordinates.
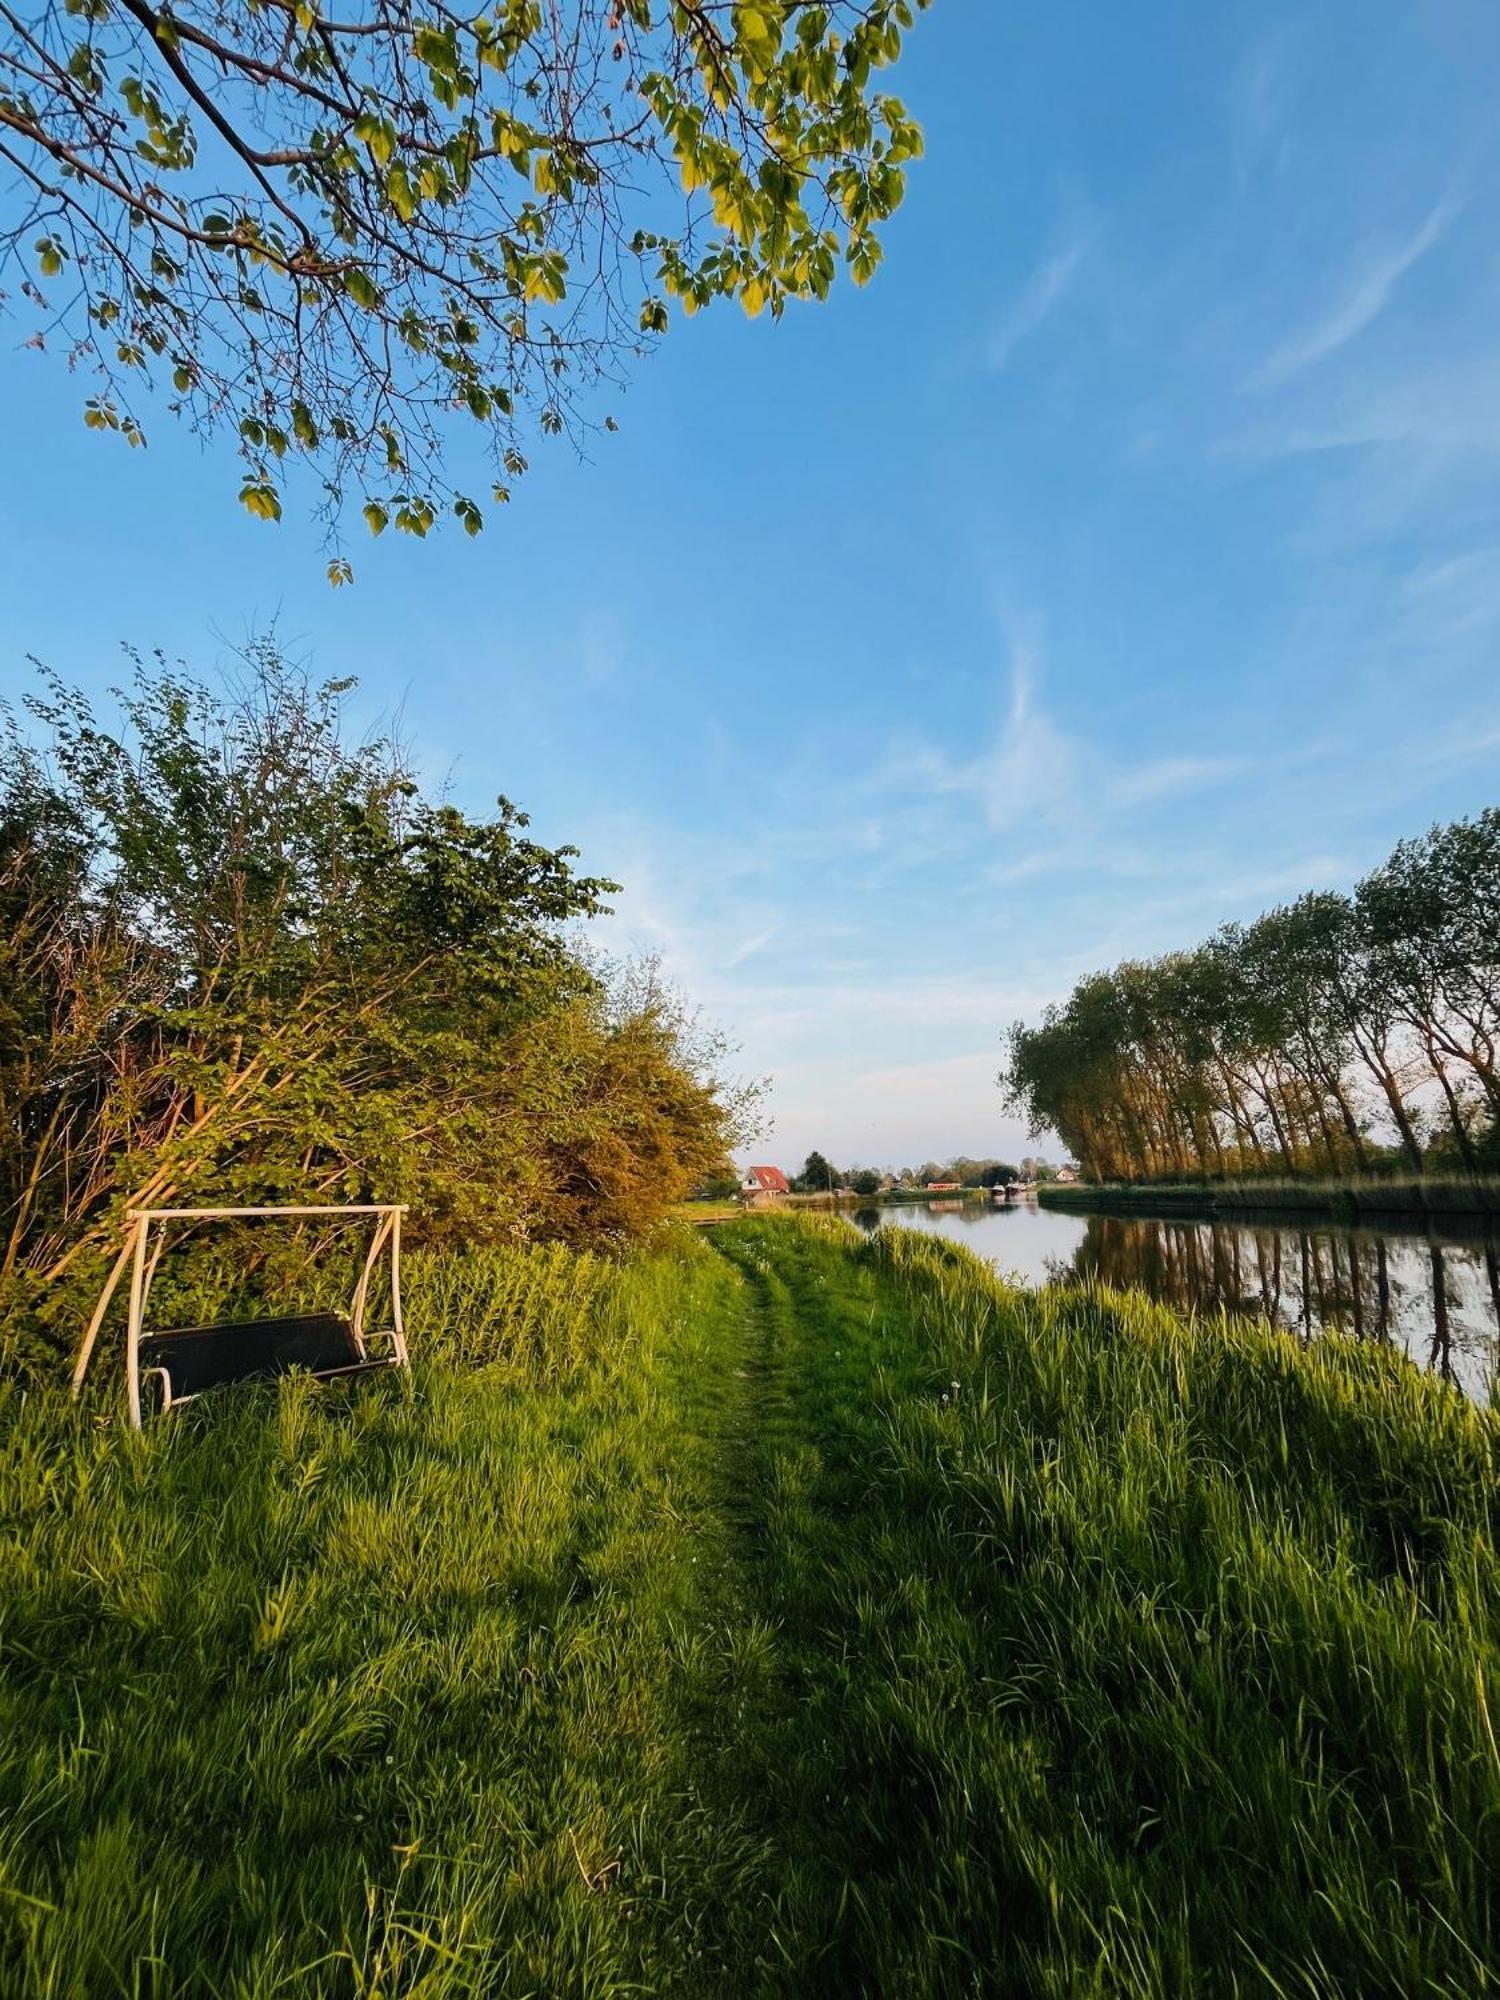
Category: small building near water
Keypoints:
(764, 1181)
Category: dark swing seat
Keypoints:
(191, 1359)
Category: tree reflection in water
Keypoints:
(1439, 1300)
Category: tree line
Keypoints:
(820, 1176)
(1335, 1034)
(244, 959)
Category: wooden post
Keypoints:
(357, 1310)
(133, 1323)
(156, 1257)
(91, 1334)
(396, 1326)
(230, 1214)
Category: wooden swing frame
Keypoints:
(138, 1254)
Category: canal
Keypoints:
(1435, 1295)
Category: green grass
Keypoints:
(707, 1211)
(784, 1612)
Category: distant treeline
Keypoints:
(1337, 1034)
(244, 959)
(976, 1173)
(820, 1176)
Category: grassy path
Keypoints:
(783, 1614)
(786, 1410)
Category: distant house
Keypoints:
(764, 1180)
(1067, 1176)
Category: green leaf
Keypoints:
(511, 142)
(400, 193)
(260, 500)
(379, 136)
(864, 256)
(414, 517)
(376, 517)
(543, 277)
(363, 289)
(435, 48)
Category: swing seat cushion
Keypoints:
(196, 1358)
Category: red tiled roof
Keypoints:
(771, 1180)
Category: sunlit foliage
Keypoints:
(329, 233)
(242, 960)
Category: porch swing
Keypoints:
(181, 1362)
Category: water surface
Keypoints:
(1435, 1295)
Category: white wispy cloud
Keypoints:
(1038, 774)
(1454, 598)
(1040, 296)
(1261, 96)
(1408, 450)
(1366, 291)
(1474, 739)
(1168, 777)
(1028, 773)
(749, 947)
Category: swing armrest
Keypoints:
(393, 1347)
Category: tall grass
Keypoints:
(380, 1690)
(781, 1612)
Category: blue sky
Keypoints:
(1125, 559)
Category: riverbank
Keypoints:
(1347, 1200)
(786, 1612)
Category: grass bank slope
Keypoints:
(788, 1613)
